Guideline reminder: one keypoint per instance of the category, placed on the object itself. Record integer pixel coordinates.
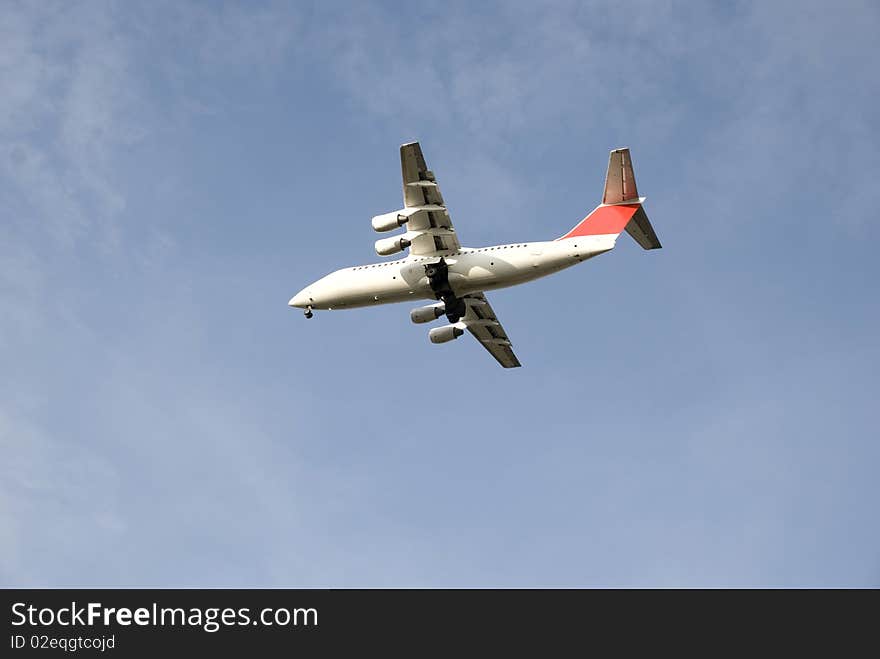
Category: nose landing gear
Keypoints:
(308, 312)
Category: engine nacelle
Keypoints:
(389, 221)
(427, 314)
(445, 333)
(389, 246)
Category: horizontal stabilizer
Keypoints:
(639, 227)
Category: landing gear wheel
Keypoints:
(308, 312)
(455, 308)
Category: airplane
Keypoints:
(437, 267)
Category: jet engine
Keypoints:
(445, 333)
(427, 314)
(388, 246)
(388, 221)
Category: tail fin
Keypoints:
(621, 206)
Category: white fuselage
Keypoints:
(471, 270)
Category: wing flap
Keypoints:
(428, 225)
(429, 217)
(481, 321)
(419, 186)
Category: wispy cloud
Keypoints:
(80, 96)
(634, 73)
(163, 421)
(72, 105)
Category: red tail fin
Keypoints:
(603, 220)
(621, 206)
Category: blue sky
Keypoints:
(702, 415)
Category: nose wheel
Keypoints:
(308, 312)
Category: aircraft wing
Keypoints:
(481, 321)
(429, 227)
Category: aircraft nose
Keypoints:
(300, 300)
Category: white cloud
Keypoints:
(78, 89)
(730, 96)
(77, 84)
(71, 100)
(723, 100)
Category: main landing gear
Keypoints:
(438, 279)
(308, 312)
